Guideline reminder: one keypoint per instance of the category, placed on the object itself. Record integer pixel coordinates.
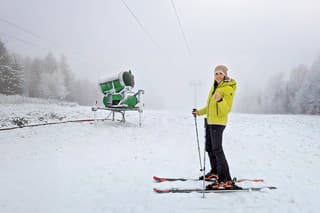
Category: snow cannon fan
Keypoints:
(118, 92)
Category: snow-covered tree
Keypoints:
(52, 79)
(11, 79)
(18, 78)
(295, 83)
(4, 55)
(275, 98)
(45, 78)
(50, 63)
(27, 75)
(6, 76)
(33, 77)
(307, 99)
(85, 92)
(67, 73)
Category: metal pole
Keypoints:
(95, 109)
(95, 119)
(197, 135)
(140, 119)
(204, 170)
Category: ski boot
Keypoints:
(210, 176)
(230, 184)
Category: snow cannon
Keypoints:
(117, 83)
(118, 92)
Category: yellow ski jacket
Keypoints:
(217, 112)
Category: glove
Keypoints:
(195, 112)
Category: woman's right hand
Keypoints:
(195, 112)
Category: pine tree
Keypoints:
(11, 78)
(6, 80)
(34, 78)
(52, 83)
(67, 74)
(27, 75)
(296, 82)
(18, 80)
(275, 95)
(307, 99)
(4, 55)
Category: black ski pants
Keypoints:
(218, 162)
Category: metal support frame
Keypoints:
(121, 108)
(122, 111)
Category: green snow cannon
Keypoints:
(117, 83)
(117, 91)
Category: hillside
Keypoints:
(108, 166)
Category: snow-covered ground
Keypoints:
(108, 166)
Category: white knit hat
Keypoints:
(223, 69)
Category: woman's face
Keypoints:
(219, 76)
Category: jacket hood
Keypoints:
(229, 82)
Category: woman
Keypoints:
(219, 104)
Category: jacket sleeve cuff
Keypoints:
(202, 111)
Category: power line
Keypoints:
(79, 60)
(41, 38)
(21, 40)
(54, 44)
(28, 31)
(140, 24)
(181, 28)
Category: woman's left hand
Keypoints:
(217, 97)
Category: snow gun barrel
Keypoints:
(117, 83)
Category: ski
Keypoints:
(163, 179)
(181, 190)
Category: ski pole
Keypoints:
(204, 159)
(197, 135)
(204, 170)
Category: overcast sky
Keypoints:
(253, 38)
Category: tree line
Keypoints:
(296, 93)
(49, 77)
(46, 77)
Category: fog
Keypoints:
(254, 39)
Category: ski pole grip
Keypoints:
(194, 112)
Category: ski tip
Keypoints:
(158, 179)
(155, 178)
(272, 187)
(252, 180)
(160, 191)
(263, 188)
(258, 180)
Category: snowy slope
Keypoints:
(35, 111)
(108, 167)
